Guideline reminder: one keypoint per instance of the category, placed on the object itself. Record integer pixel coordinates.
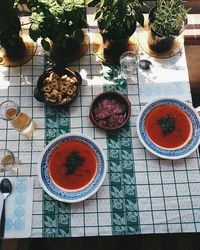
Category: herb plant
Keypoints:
(167, 123)
(118, 17)
(169, 16)
(73, 161)
(57, 21)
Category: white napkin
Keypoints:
(19, 208)
(165, 78)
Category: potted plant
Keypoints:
(11, 42)
(60, 24)
(117, 21)
(166, 21)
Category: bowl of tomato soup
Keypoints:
(169, 128)
(82, 175)
(72, 167)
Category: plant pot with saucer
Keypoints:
(12, 44)
(117, 22)
(167, 20)
(60, 25)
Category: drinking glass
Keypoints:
(8, 160)
(128, 64)
(20, 121)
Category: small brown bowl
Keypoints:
(40, 95)
(110, 110)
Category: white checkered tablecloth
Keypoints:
(141, 193)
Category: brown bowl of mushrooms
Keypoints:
(58, 86)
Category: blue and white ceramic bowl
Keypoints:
(179, 153)
(71, 196)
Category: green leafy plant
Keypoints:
(73, 161)
(9, 21)
(167, 123)
(118, 17)
(57, 20)
(169, 16)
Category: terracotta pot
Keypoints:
(156, 41)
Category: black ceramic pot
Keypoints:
(113, 46)
(70, 53)
(112, 42)
(14, 47)
(159, 43)
(12, 43)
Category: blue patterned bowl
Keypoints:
(71, 196)
(166, 153)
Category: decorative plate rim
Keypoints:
(59, 193)
(166, 153)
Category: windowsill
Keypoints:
(192, 31)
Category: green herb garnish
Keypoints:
(73, 161)
(167, 123)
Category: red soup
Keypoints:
(168, 126)
(82, 175)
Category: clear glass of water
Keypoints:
(8, 160)
(128, 64)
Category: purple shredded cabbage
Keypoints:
(110, 113)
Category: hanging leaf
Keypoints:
(98, 15)
(78, 35)
(87, 2)
(46, 45)
(34, 34)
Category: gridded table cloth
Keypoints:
(141, 193)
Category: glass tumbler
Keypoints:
(20, 121)
(7, 160)
(128, 64)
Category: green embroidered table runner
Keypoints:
(120, 180)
